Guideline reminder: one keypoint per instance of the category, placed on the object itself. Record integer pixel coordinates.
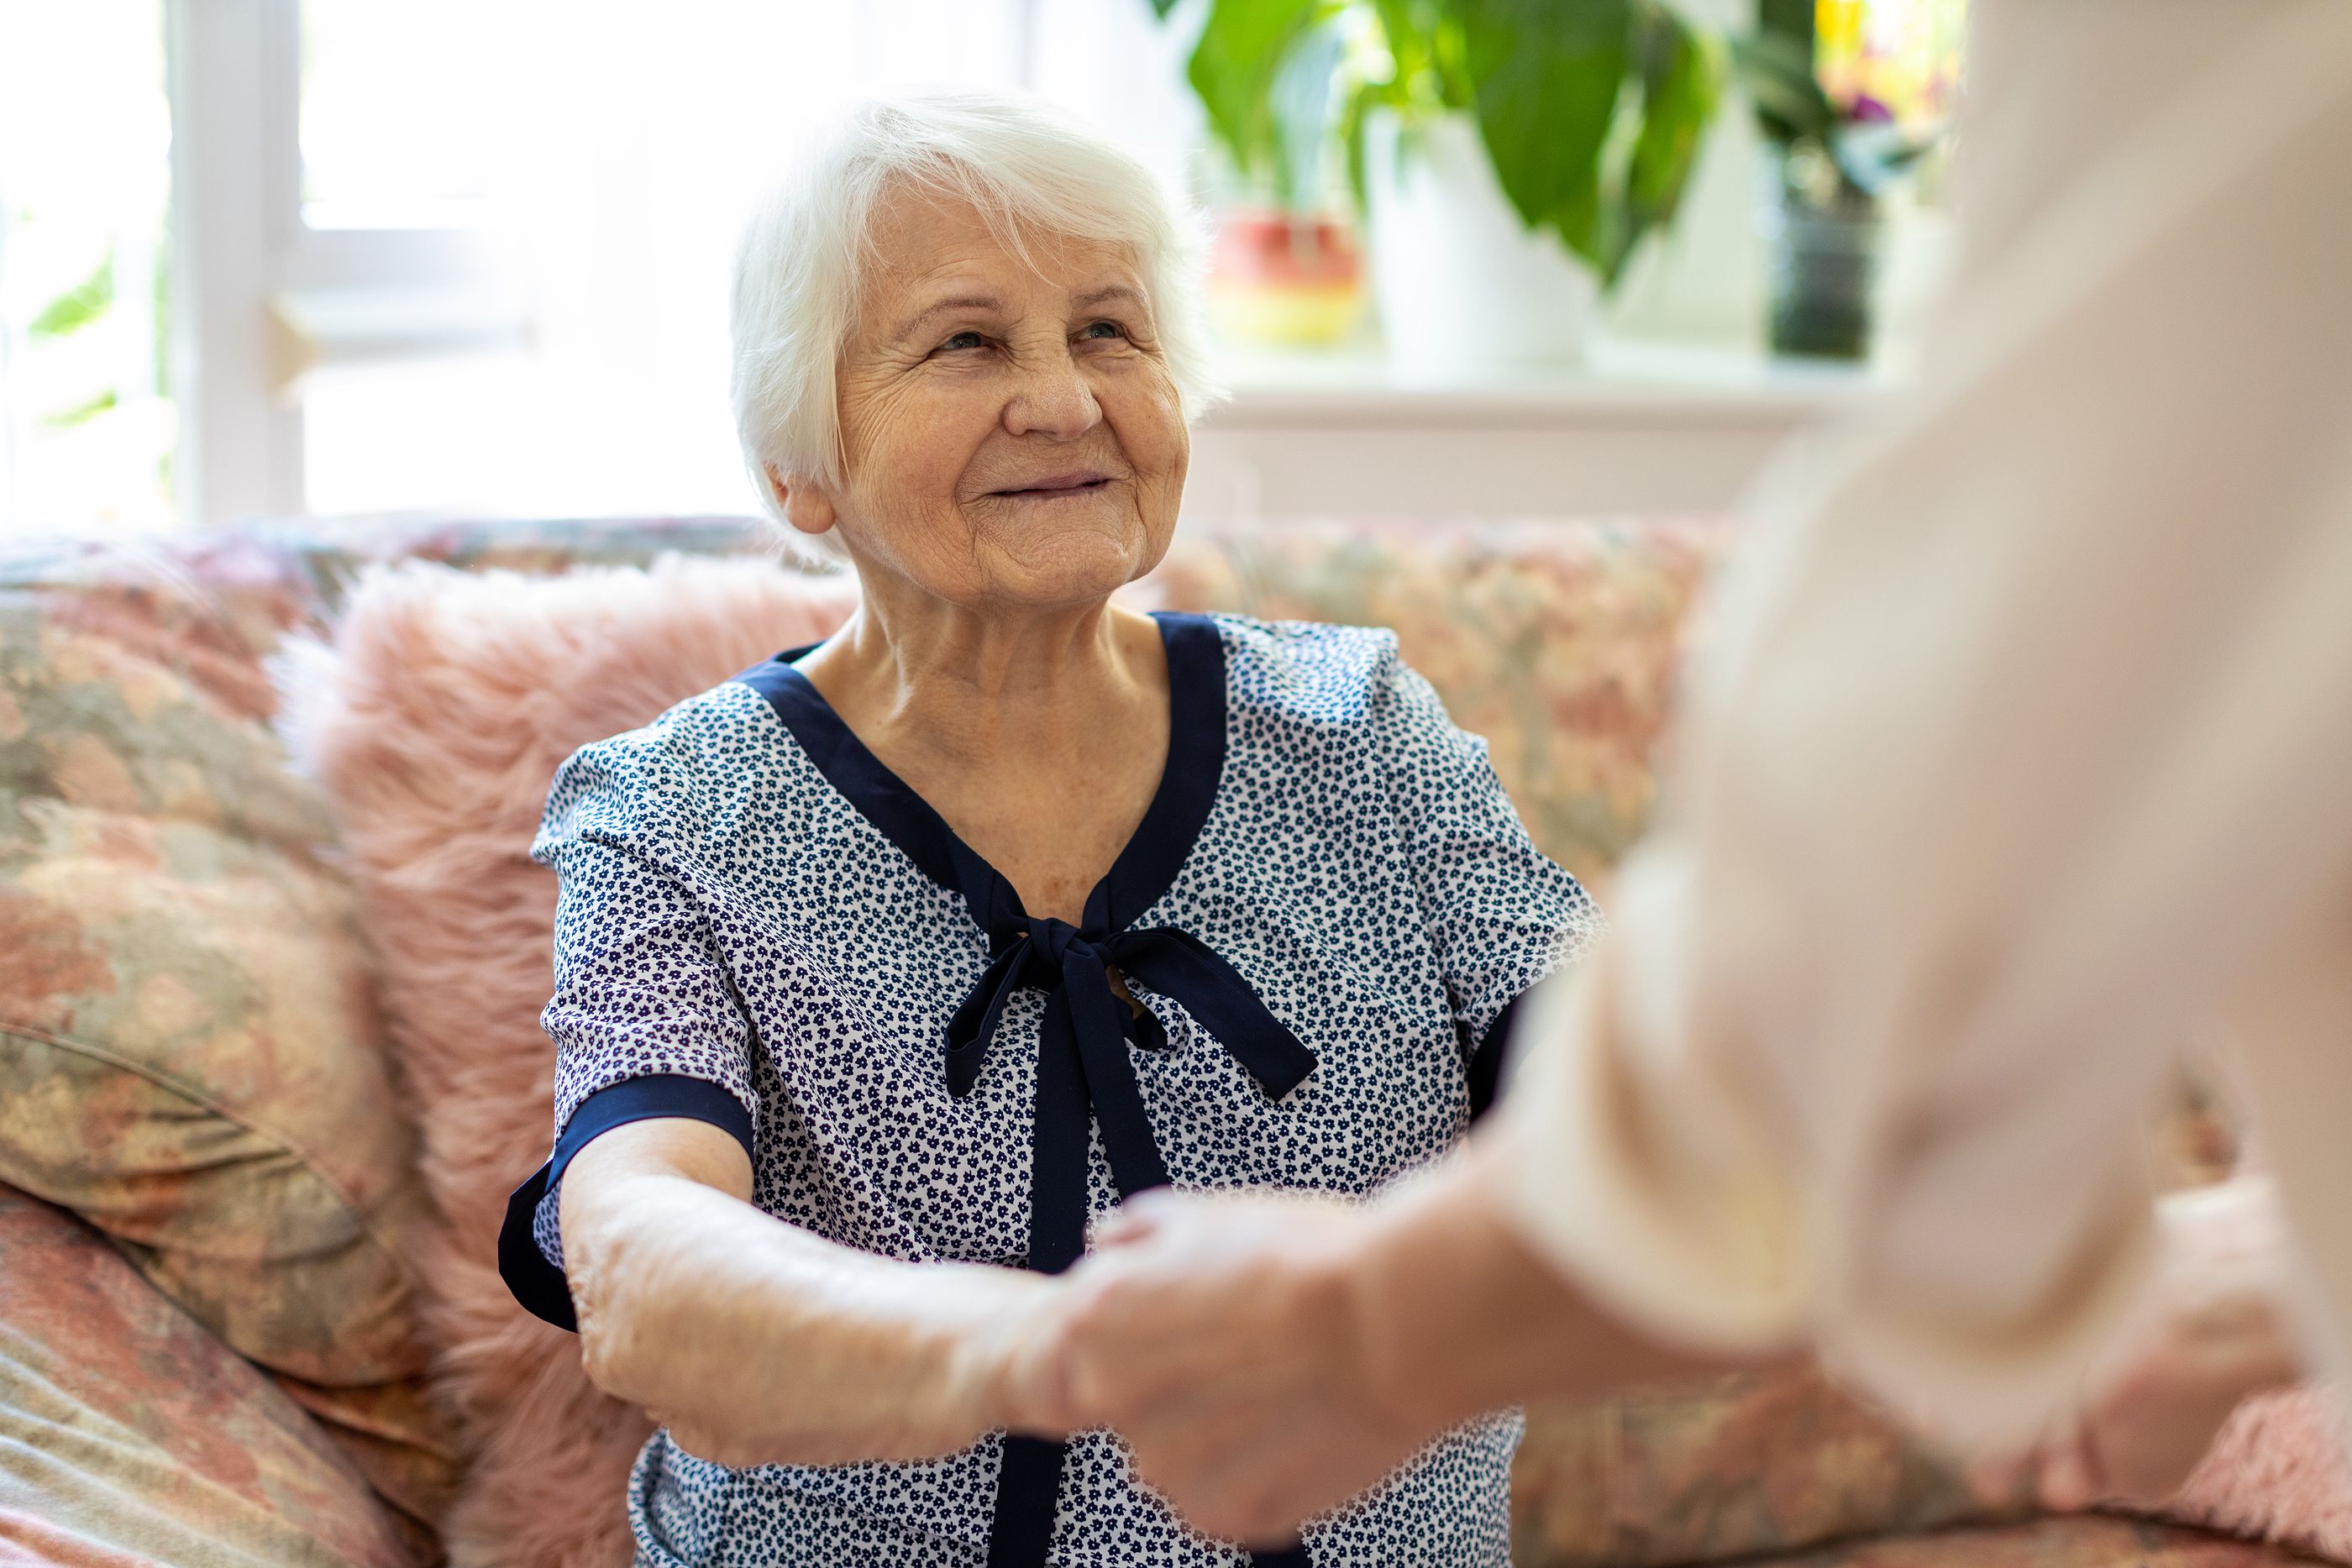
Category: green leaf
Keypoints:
(1352, 138)
(1789, 19)
(78, 306)
(81, 412)
(1159, 8)
(1778, 72)
(1432, 59)
(159, 348)
(1234, 67)
(1546, 74)
(1682, 78)
(1300, 99)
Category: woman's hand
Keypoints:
(1268, 1356)
(1219, 1336)
(2215, 1333)
(757, 1343)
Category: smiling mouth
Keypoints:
(1057, 487)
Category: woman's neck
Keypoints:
(973, 682)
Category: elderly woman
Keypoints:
(885, 967)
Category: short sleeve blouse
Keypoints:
(1328, 914)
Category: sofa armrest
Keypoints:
(128, 1434)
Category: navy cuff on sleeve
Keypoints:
(1485, 1067)
(539, 1284)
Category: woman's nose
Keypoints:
(1053, 399)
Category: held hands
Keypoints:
(1269, 1355)
(1224, 1338)
(1265, 1356)
(1218, 1336)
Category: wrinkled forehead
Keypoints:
(920, 244)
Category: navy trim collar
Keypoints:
(1145, 868)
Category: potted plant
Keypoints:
(1286, 267)
(1511, 155)
(1848, 121)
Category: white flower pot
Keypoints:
(1464, 290)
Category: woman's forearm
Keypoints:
(757, 1342)
(1459, 1314)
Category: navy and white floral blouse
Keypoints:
(1327, 914)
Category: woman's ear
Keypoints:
(805, 506)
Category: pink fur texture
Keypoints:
(435, 721)
(2277, 1472)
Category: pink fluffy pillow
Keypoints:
(2278, 1471)
(435, 721)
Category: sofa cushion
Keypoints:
(190, 1054)
(189, 1051)
(1751, 1463)
(130, 1435)
(2278, 1470)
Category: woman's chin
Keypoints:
(1058, 561)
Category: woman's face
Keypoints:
(1012, 436)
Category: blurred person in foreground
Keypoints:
(2024, 753)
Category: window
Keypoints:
(87, 430)
(471, 256)
(498, 231)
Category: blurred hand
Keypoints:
(1269, 1355)
(2217, 1330)
(1222, 1337)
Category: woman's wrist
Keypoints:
(987, 1323)
(1457, 1314)
(1421, 1283)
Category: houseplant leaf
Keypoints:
(1777, 69)
(1681, 79)
(78, 306)
(1547, 76)
(1425, 74)
(1300, 99)
(1233, 66)
(81, 412)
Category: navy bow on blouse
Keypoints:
(1085, 1079)
(1082, 1058)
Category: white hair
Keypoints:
(1028, 168)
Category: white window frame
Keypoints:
(258, 295)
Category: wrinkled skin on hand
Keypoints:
(1222, 1339)
(1267, 1356)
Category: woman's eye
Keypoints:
(965, 341)
(1103, 330)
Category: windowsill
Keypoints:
(1649, 383)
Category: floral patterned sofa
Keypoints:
(207, 1353)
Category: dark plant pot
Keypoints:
(1823, 266)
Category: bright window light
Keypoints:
(611, 150)
(85, 431)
